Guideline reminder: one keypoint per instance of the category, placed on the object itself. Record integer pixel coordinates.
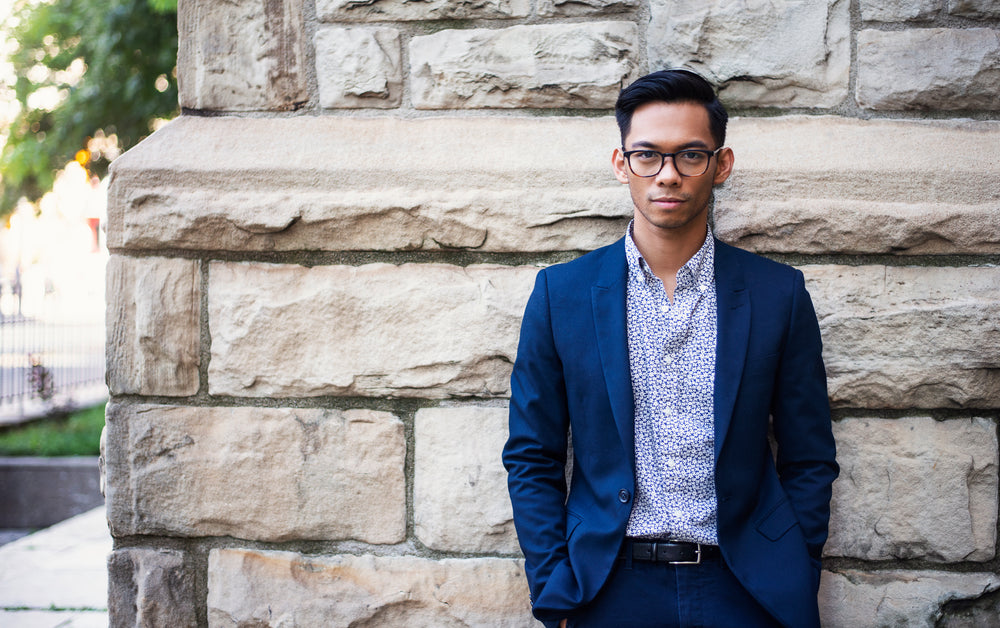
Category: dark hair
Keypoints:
(671, 86)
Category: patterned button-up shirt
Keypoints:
(671, 350)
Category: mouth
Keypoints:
(668, 201)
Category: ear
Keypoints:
(724, 165)
(619, 166)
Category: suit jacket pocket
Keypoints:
(776, 523)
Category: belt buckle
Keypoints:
(697, 561)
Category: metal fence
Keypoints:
(46, 363)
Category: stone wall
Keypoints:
(318, 273)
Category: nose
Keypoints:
(668, 174)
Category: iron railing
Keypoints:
(43, 361)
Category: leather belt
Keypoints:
(670, 552)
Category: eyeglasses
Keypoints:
(688, 163)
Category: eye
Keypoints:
(691, 156)
(646, 155)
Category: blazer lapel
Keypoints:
(608, 300)
(733, 318)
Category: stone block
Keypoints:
(900, 10)
(915, 488)
(153, 330)
(570, 8)
(404, 10)
(453, 330)
(544, 184)
(528, 184)
(975, 9)
(962, 73)
(460, 501)
(150, 587)
(579, 65)
(271, 589)
(909, 337)
(915, 599)
(786, 197)
(241, 56)
(270, 474)
(768, 54)
(359, 67)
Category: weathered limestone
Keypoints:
(915, 488)
(241, 56)
(359, 67)
(567, 8)
(770, 54)
(460, 501)
(985, 9)
(899, 10)
(916, 599)
(545, 184)
(351, 184)
(153, 333)
(269, 474)
(150, 587)
(823, 225)
(909, 337)
(271, 589)
(886, 193)
(524, 66)
(963, 72)
(374, 10)
(453, 332)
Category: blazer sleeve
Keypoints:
(801, 419)
(536, 450)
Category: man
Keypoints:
(668, 357)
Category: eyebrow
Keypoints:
(693, 144)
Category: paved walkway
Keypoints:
(57, 577)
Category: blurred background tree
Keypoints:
(91, 78)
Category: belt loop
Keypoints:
(628, 554)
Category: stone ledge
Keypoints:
(542, 184)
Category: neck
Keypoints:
(666, 251)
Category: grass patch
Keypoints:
(76, 434)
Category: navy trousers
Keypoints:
(658, 595)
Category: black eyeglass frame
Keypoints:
(663, 160)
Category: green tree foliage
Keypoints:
(127, 53)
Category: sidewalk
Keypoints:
(57, 577)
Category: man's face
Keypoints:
(670, 204)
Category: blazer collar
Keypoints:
(608, 302)
(733, 334)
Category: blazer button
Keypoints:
(623, 496)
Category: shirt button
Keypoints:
(671, 463)
(668, 360)
(623, 496)
(678, 513)
(664, 308)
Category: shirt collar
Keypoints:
(698, 271)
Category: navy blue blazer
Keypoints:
(572, 376)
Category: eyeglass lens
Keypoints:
(689, 163)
